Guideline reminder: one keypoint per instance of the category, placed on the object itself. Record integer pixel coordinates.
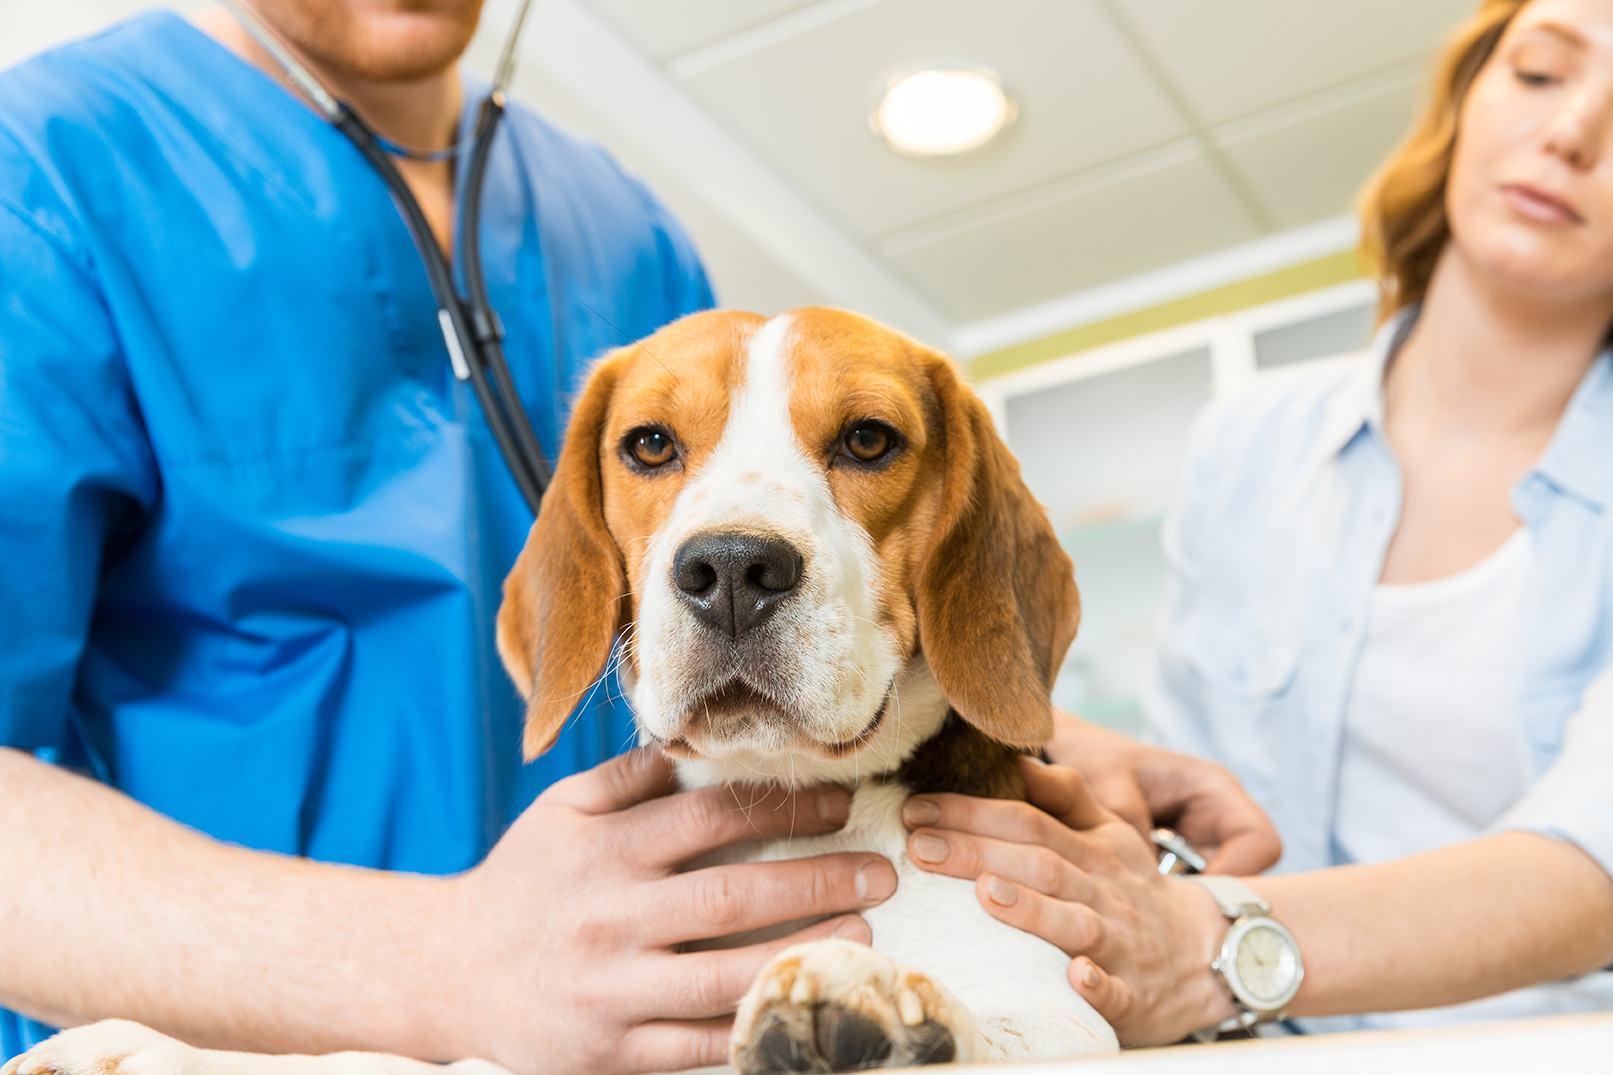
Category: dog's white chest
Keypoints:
(934, 924)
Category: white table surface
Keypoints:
(1559, 1046)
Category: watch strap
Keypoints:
(1236, 899)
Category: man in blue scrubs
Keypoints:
(250, 553)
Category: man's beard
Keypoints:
(399, 41)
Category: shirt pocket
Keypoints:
(1235, 680)
(1237, 658)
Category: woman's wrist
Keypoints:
(1205, 998)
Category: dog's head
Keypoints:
(791, 525)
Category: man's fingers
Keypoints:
(670, 831)
(705, 985)
(673, 1046)
(1221, 817)
(961, 854)
(1074, 928)
(1121, 793)
(1111, 996)
(1246, 854)
(719, 901)
(1211, 809)
(1062, 792)
(849, 927)
(1238, 836)
(625, 780)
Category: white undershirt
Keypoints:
(1432, 750)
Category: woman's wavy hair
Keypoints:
(1402, 209)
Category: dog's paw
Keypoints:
(831, 1006)
(110, 1047)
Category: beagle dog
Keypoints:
(809, 559)
(815, 561)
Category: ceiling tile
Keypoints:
(743, 275)
(1083, 94)
(1313, 168)
(667, 28)
(27, 29)
(1130, 227)
(1231, 58)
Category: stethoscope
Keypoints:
(470, 328)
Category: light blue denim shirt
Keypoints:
(1289, 497)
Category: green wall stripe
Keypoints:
(1334, 269)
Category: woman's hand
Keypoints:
(1077, 875)
(1148, 786)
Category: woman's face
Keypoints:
(1530, 197)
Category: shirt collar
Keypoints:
(1579, 459)
(1577, 462)
(1359, 403)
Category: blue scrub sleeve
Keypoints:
(75, 470)
(688, 289)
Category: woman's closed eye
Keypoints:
(1542, 59)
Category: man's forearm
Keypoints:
(1075, 741)
(1108, 761)
(1147, 785)
(110, 909)
(1445, 927)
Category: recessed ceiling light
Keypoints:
(943, 111)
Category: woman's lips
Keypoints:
(1539, 205)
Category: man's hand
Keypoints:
(1148, 786)
(573, 924)
(1082, 878)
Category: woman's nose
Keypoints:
(1579, 131)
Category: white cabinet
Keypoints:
(1099, 438)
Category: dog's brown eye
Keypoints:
(652, 447)
(868, 442)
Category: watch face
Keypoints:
(1267, 964)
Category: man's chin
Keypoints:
(400, 53)
(351, 39)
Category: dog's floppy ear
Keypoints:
(565, 599)
(997, 604)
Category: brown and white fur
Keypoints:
(911, 648)
(914, 652)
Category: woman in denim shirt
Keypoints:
(1391, 602)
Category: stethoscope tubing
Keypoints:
(471, 329)
(484, 319)
(479, 350)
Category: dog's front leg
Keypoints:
(829, 1006)
(119, 1047)
(1013, 984)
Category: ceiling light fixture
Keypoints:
(942, 111)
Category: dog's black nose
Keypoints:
(733, 580)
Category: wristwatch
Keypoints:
(1259, 959)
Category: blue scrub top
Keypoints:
(254, 531)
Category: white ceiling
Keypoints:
(1150, 132)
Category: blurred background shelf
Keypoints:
(1100, 436)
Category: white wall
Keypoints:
(1100, 436)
